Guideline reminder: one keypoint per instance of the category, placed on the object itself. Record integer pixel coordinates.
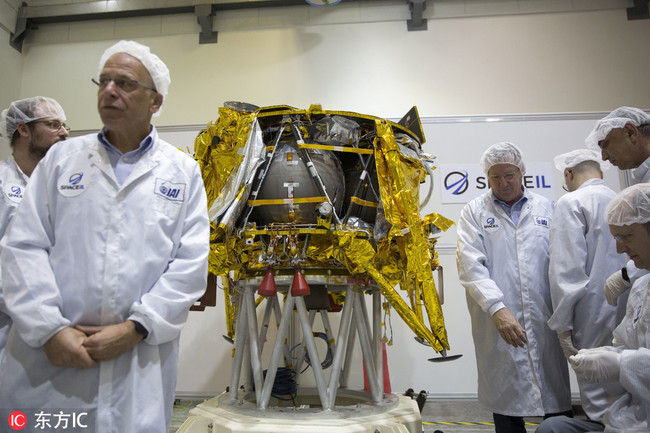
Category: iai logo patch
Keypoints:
(14, 192)
(542, 221)
(490, 224)
(169, 190)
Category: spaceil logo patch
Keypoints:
(491, 224)
(169, 190)
(14, 193)
(72, 183)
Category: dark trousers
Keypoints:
(515, 424)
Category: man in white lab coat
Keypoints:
(583, 255)
(623, 138)
(625, 363)
(31, 126)
(503, 257)
(110, 253)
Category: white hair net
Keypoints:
(502, 153)
(28, 110)
(616, 119)
(630, 206)
(156, 68)
(575, 157)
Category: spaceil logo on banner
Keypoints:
(460, 183)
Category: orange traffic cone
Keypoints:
(299, 286)
(366, 385)
(267, 288)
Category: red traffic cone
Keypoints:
(299, 286)
(387, 388)
(267, 288)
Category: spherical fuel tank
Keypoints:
(288, 177)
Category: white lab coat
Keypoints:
(641, 174)
(12, 187)
(501, 265)
(631, 411)
(583, 255)
(85, 250)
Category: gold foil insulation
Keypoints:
(399, 262)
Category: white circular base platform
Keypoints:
(353, 412)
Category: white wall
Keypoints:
(561, 62)
(11, 68)
(526, 63)
(11, 63)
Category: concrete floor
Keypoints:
(461, 416)
(438, 416)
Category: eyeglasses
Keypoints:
(54, 125)
(507, 176)
(566, 173)
(123, 83)
(622, 238)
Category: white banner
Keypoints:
(460, 183)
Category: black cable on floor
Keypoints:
(284, 385)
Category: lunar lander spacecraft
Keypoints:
(314, 211)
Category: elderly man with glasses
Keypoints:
(116, 224)
(502, 259)
(30, 126)
(623, 138)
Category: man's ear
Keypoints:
(156, 102)
(630, 130)
(23, 129)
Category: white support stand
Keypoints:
(330, 407)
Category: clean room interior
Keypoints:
(537, 73)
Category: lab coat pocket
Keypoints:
(170, 209)
(542, 226)
(542, 232)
